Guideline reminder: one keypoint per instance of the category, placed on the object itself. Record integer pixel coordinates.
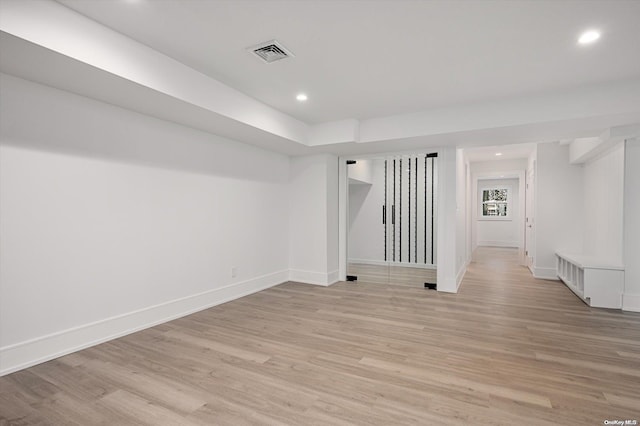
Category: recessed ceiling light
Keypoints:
(498, 154)
(302, 97)
(588, 37)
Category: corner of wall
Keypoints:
(461, 274)
(545, 273)
(631, 302)
(324, 279)
(631, 226)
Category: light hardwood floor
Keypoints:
(397, 275)
(507, 349)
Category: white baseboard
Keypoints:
(26, 354)
(312, 277)
(545, 273)
(631, 302)
(460, 276)
(447, 285)
(489, 243)
(383, 263)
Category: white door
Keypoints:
(529, 221)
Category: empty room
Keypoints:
(347, 212)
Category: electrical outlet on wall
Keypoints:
(234, 271)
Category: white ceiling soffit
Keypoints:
(506, 152)
(362, 59)
(36, 63)
(46, 42)
(583, 150)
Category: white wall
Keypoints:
(447, 208)
(598, 210)
(361, 171)
(491, 168)
(366, 231)
(313, 224)
(500, 232)
(631, 297)
(469, 220)
(111, 221)
(559, 217)
(333, 219)
(463, 256)
(603, 205)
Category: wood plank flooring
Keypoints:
(398, 275)
(507, 349)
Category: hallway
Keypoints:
(539, 335)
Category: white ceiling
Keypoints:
(363, 59)
(509, 152)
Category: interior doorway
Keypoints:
(499, 199)
(392, 219)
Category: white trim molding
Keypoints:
(447, 285)
(333, 277)
(545, 273)
(631, 302)
(316, 278)
(461, 274)
(35, 351)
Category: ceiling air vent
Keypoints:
(271, 51)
